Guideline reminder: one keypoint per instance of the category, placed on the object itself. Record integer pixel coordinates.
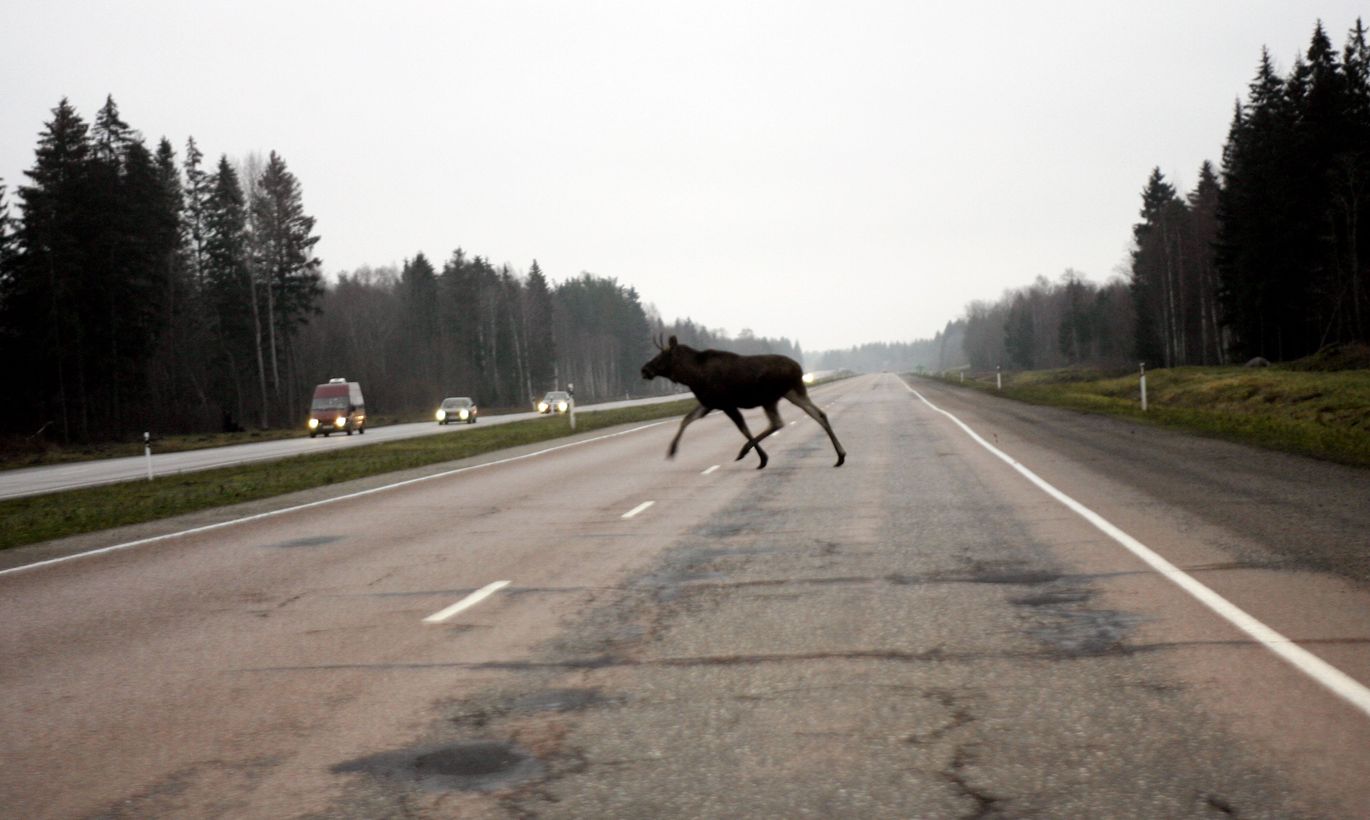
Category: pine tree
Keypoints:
(1349, 186)
(231, 296)
(1204, 325)
(284, 243)
(1255, 255)
(537, 317)
(1020, 334)
(1154, 272)
(420, 334)
(197, 189)
(9, 248)
(45, 303)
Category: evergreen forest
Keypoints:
(1267, 256)
(142, 290)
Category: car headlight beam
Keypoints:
(440, 415)
(313, 424)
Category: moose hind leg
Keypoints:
(803, 402)
(741, 423)
(699, 412)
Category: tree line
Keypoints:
(140, 290)
(1269, 257)
(944, 351)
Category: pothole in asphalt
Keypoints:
(560, 700)
(310, 541)
(481, 765)
(1086, 633)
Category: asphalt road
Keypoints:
(924, 632)
(58, 477)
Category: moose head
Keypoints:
(664, 363)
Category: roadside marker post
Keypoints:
(1143, 380)
(147, 451)
(998, 378)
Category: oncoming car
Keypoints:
(557, 401)
(457, 408)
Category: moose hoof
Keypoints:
(841, 460)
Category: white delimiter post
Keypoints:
(571, 388)
(147, 451)
(1143, 380)
(998, 378)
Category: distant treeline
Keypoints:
(942, 352)
(142, 291)
(1270, 258)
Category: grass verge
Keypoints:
(39, 518)
(1325, 415)
(20, 451)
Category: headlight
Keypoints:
(542, 407)
(340, 421)
(440, 415)
(313, 423)
(462, 414)
(561, 407)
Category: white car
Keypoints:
(457, 408)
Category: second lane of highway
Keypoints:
(58, 477)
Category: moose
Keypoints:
(726, 381)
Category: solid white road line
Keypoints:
(467, 602)
(639, 508)
(195, 530)
(710, 470)
(1311, 665)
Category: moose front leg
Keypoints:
(699, 412)
(732, 413)
(773, 416)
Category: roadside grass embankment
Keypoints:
(33, 519)
(20, 451)
(1325, 415)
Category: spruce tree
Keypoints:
(288, 271)
(231, 295)
(46, 302)
(537, 316)
(1153, 269)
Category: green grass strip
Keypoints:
(1318, 414)
(33, 519)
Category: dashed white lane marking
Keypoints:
(710, 470)
(793, 423)
(195, 530)
(639, 508)
(1311, 665)
(467, 602)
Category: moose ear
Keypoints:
(673, 342)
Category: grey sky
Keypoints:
(832, 172)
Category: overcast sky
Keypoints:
(835, 173)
